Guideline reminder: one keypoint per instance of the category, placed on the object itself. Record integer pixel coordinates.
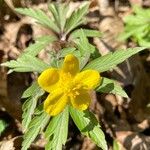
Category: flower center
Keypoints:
(70, 87)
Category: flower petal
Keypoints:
(89, 78)
(55, 103)
(48, 79)
(81, 101)
(71, 65)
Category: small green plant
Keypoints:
(137, 26)
(51, 116)
(3, 126)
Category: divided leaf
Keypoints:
(57, 131)
(110, 60)
(110, 86)
(77, 17)
(85, 49)
(66, 51)
(30, 91)
(37, 123)
(39, 45)
(88, 33)
(26, 63)
(40, 17)
(88, 125)
(59, 12)
(33, 93)
(137, 26)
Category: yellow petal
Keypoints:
(81, 101)
(71, 65)
(89, 78)
(48, 79)
(55, 103)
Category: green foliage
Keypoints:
(26, 63)
(110, 60)
(35, 119)
(137, 26)
(88, 33)
(40, 17)
(32, 93)
(66, 51)
(89, 126)
(110, 86)
(57, 131)
(3, 126)
(37, 124)
(59, 12)
(84, 47)
(39, 45)
(116, 145)
(77, 17)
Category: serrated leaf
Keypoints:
(59, 12)
(39, 45)
(57, 131)
(26, 63)
(110, 60)
(88, 33)
(39, 109)
(110, 86)
(84, 48)
(130, 31)
(66, 51)
(76, 17)
(32, 93)
(137, 26)
(88, 125)
(83, 60)
(37, 123)
(40, 17)
(83, 44)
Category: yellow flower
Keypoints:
(68, 86)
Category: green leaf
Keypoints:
(40, 17)
(85, 49)
(110, 60)
(83, 60)
(39, 45)
(88, 33)
(137, 26)
(57, 131)
(59, 12)
(3, 126)
(131, 31)
(33, 93)
(31, 90)
(38, 123)
(83, 44)
(88, 125)
(110, 86)
(66, 51)
(116, 145)
(39, 109)
(26, 63)
(76, 17)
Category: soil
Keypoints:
(126, 120)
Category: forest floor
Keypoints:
(127, 120)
